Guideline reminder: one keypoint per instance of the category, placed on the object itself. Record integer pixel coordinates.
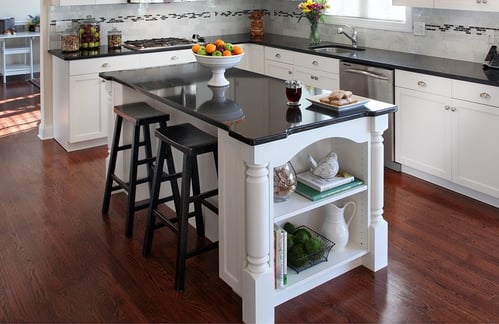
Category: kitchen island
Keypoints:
(257, 132)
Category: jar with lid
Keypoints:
(114, 38)
(70, 40)
(89, 33)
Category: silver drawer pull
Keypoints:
(484, 1)
(174, 58)
(447, 107)
(315, 63)
(452, 108)
(421, 83)
(290, 72)
(484, 95)
(278, 55)
(104, 65)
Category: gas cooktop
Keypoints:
(155, 43)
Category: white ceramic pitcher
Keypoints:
(335, 227)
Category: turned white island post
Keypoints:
(256, 133)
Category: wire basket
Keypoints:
(301, 261)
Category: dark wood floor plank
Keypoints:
(62, 261)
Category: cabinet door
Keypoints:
(422, 131)
(414, 3)
(479, 5)
(109, 1)
(253, 59)
(278, 70)
(86, 119)
(475, 151)
(74, 2)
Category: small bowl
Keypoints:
(218, 65)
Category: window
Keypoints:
(377, 14)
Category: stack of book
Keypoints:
(315, 188)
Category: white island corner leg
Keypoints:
(257, 276)
(378, 229)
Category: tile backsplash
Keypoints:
(448, 33)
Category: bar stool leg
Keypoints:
(112, 165)
(183, 224)
(156, 185)
(196, 190)
(132, 179)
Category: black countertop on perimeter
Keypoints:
(448, 68)
(253, 108)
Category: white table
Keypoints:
(26, 49)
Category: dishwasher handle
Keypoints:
(367, 73)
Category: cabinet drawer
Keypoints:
(279, 55)
(475, 92)
(321, 63)
(166, 58)
(103, 64)
(423, 82)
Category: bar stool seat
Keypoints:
(139, 115)
(191, 142)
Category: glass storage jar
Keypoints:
(114, 38)
(70, 41)
(89, 33)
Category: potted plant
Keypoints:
(34, 23)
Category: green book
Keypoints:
(314, 195)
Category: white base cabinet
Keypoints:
(450, 135)
(82, 103)
(475, 5)
(317, 71)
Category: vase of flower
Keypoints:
(314, 37)
(314, 11)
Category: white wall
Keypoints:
(20, 9)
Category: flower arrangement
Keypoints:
(314, 11)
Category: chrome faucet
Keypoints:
(352, 37)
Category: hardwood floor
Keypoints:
(61, 261)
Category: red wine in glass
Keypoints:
(293, 91)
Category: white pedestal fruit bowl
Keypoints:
(218, 65)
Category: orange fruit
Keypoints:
(227, 53)
(219, 43)
(236, 50)
(210, 48)
(195, 48)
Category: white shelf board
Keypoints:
(298, 204)
(338, 263)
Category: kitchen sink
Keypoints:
(336, 49)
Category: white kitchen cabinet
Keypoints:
(422, 129)
(478, 5)
(317, 71)
(279, 63)
(446, 128)
(253, 59)
(85, 2)
(414, 3)
(81, 102)
(475, 121)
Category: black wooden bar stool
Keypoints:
(191, 142)
(140, 115)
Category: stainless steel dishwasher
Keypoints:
(375, 83)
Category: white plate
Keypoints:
(316, 101)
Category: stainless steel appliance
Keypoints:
(153, 43)
(375, 83)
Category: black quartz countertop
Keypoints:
(252, 108)
(455, 69)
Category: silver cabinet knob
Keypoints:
(290, 72)
(315, 63)
(484, 95)
(421, 83)
(278, 55)
(447, 107)
(452, 109)
(174, 58)
(104, 65)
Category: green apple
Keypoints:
(228, 47)
(201, 51)
(217, 53)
